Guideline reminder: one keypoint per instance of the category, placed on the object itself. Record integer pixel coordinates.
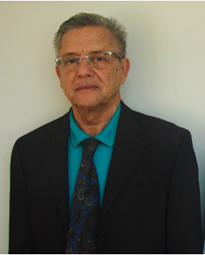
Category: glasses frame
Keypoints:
(58, 60)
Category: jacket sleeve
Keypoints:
(20, 236)
(184, 230)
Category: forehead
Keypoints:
(87, 39)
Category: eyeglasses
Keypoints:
(98, 60)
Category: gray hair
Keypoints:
(89, 19)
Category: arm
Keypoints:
(20, 237)
(184, 233)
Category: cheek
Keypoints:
(114, 72)
(116, 76)
(113, 79)
(66, 81)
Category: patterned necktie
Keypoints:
(82, 232)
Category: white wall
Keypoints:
(166, 46)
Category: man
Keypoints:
(147, 173)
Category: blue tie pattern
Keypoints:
(82, 232)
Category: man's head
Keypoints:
(86, 19)
(91, 65)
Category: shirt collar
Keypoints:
(106, 136)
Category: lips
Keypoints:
(86, 87)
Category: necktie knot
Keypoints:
(89, 147)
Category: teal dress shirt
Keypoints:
(102, 156)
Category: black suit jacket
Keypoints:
(151, 200)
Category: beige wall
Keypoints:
(166, 46)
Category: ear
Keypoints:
(58, 71)
(125, 67)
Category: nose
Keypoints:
(84, 68)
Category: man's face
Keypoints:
(87, 86)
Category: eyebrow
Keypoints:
(74, 54)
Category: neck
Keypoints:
(91, 120)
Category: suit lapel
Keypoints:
(55, 151)
(127, 143)
(127, 151)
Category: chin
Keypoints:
(88, 103)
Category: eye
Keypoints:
(99, 58)
(70, 61)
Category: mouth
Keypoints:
(86, 87)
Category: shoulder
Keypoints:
(153, 126)
(45, 131)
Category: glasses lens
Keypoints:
(69, 62)
(99, 60)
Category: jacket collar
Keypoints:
(55, 152)
(127, 151)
